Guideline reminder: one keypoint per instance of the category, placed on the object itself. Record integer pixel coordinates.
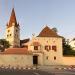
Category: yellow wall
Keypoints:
(14, 60)
(68, 61)
(48, 41)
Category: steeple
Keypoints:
(13, 31)
(12, 20)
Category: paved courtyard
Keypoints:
(40, 70)
(59, 70)
(24, 72)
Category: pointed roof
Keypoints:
(47, 32)
(12, 19)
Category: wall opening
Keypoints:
(35, 60)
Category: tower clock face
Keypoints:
(13, 23)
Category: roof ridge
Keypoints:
(47, 32)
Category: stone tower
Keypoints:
(13, 31)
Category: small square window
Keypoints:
(8, 30)
(47, 57)
(35, 47)
(54, 57)
(46, 47)
(10, 34)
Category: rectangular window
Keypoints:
(10, 34)
(54, 48)
(35, 47)
(47, 57)
(54, 57)
(8, 30)
(46, 47)
(49, 47)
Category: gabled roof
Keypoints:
(16, 51)
(35, 43)
(12, 19)
(47, 32)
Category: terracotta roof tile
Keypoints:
(12, 19)
(16, 51)
(47, 32)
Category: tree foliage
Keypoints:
(4, 44)
(55, 29)
(67, 49)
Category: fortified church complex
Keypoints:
(43, 49)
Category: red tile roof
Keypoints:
(12, 19)
(47, 32)
(16, 51)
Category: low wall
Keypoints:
(23, 60)
(68, 60)
(14, 60)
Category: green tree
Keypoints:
(4, 44)
(67, 49)
(55, 29)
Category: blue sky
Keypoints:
(33, 15)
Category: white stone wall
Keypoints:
(10, 38)
(14, 60)
(14, 39)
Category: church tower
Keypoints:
(13, 31)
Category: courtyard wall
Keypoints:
(14, 60)
(68, 60)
